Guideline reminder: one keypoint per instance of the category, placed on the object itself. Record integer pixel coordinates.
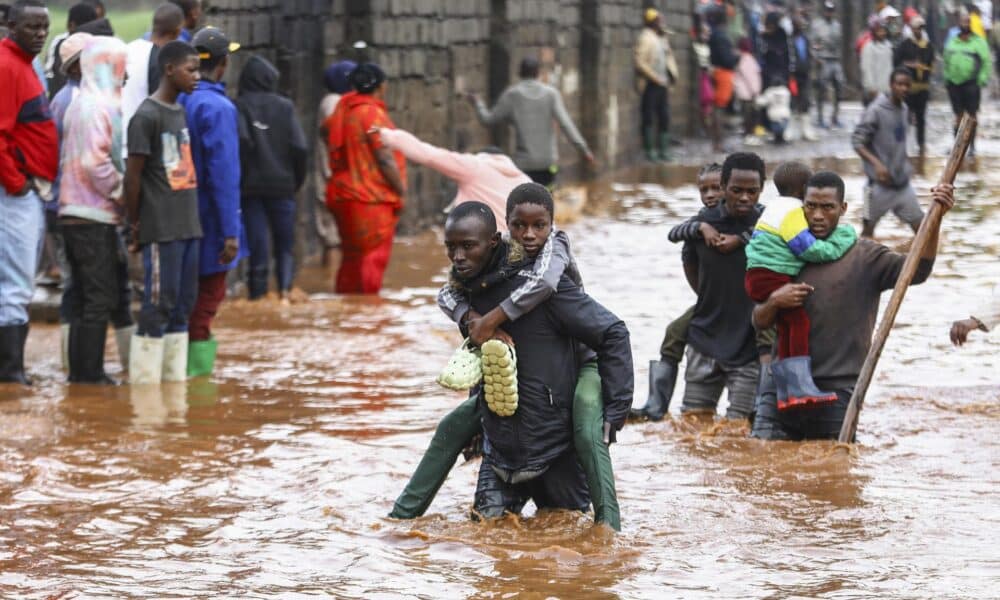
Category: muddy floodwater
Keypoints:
(274, 478)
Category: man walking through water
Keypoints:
(29, 159)
(533, 108)
(880, 141)
(841, 298)
(827, 40)
(530, 455)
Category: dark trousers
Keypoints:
(70, 306)
(654, 107)
(93, 253)
(171, 286)
(918, 107)
(267, 221)
(211, 293)
(545, 177)
(792, 323)
(563, 485)
(817, 422)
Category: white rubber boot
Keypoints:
(793, 132)
(808, 133)
(145, 360)
(64, 345)
(123, 340)
(175, 356)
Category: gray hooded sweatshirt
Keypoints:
(531, 106)
(883, 131)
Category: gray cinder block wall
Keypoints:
(436, 51)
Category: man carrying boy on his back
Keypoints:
(162, 201)
(215, 147)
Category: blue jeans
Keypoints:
(171, 286)
(22, 227)
(278, 215)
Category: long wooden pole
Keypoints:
(930, 223)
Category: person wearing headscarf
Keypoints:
(90, 202)
(336, 84)
(367, 183)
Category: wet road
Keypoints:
(274, 478)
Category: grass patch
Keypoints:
(128, 24)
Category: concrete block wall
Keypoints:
(436, 51)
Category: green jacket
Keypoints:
(963, 58)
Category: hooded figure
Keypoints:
(273, 160)
(90, 203)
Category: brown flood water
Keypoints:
(274, 478)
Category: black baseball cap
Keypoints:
(210, 42)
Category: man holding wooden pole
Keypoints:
(842, 300)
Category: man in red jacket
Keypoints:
(29, 156)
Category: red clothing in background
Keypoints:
(29, 144)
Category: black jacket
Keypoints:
(547, 369)
(721, 51)
(775, 62)
(273, 149)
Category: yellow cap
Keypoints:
(651, 15)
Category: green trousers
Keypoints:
(459, 426)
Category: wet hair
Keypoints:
(712, 167)
(529, 68)
(827, 179)
(743, 161)
(18, 7)
(366, 78)
(899, 71)
(791, 177)
(475, 210)
(81, 14)
(531, 193)
(174, 53)
(167, 18)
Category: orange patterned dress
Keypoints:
(362, 201)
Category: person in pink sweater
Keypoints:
(487, 176)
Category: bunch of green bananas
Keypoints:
(463, 371)
(500, 377)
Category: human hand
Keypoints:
(944, 194)
(710, 234)
(790, 295)
(882, 174)
(727, 243)
(480, 330)
(230, 249)
(960, 330)
(503, 336)
(133, 238)
(589, 157)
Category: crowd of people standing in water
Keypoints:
(143, 151)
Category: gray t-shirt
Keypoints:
(168, 199)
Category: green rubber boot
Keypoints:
(588, 439)
(649, 144)
(665, 154)
(201, 357)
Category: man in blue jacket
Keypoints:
(215, 148)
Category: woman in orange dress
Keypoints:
(366, 187)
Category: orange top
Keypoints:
(356, 175)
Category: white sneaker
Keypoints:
(808, 133)
(145, 360)
(175, 356)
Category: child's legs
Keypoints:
(453, 433)
(761, 283)
(675, 338)
(162, 265)
(793, 332)
(588, 438)
(281, 216)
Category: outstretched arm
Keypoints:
(453, 165)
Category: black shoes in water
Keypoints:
(12, 338)
(662, 378)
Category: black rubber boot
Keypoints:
(662, 378)
(649, 144)
(86, 353)
(12, 339)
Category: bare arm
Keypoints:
(387, 164)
